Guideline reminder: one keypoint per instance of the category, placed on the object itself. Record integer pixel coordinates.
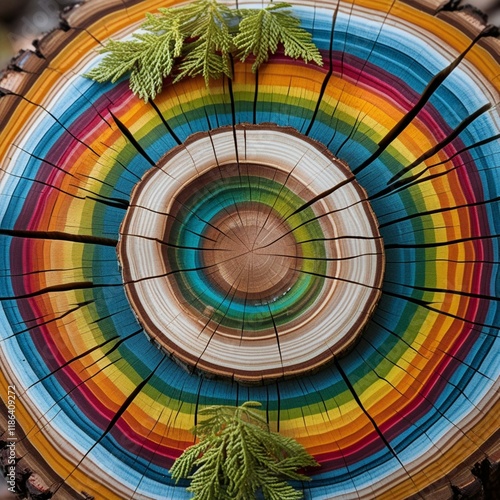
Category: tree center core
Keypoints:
(251, 253)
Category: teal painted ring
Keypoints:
(236, 265)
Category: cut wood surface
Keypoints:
(251, 252)
(407, 98)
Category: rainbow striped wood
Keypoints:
(407, 98)
(250, 253)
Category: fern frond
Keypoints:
(185, 463)
(207, 482)
(240, 464)
(209, 27)
(212, 421)
(208, 54)
(274, 489)
(158, 55)
(121, 59)
(193, 14)
(241, 457)
(149, 58)
(262, 30)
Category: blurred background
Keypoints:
(23, 20)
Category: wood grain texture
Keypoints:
(251, 253)
(408, 98)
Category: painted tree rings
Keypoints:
(251, 253)
(409, 98)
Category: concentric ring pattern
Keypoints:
(408, 98)
(250, 263)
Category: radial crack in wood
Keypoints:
(255, 239)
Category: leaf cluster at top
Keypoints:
(199, 38)
(237, 456)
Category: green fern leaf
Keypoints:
(200, 37)
(277, 490)
(149, 58)
(208, 54)
(122, 58)
(261, 31)
(206, 481)
(241, 456)
(185, 463)
(158, 56)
